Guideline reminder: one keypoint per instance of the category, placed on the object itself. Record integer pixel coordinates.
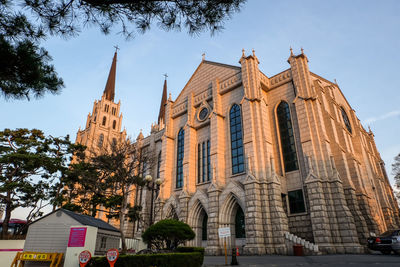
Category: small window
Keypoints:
(104, 121)
(114, 124)
(203, 114)
(106, 108)
(296, 201)
(101, 140)
(158, 164)
(103, 243)
(346, 120)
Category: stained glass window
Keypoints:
(179, 160)
(287, 137)
(346, 120)
(235, 118)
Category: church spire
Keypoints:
(109, 91)
(161, 114)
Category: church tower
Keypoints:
(103, 125)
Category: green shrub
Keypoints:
(168, 234)
(192, 259)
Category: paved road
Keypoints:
(324, 260)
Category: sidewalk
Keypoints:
(324, 260)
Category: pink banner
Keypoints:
(77, 237)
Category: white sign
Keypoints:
(224, 232)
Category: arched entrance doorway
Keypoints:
(232, 215)
(198, 220)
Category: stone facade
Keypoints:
(331, 190)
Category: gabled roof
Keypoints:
(84, 219)
(206, 62)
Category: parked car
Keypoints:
(396, 244)
(384, 242)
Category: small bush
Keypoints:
(168, 234)
(192, 259)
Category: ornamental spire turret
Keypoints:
(161, 114)
(109, 90)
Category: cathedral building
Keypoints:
(263, 155)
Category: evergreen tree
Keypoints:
(30, 165)
(25, 68)
(104, 180)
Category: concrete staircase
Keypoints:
(308, 247)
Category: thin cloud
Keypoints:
(383, 117)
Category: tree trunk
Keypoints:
(122, 222)
(7, 218)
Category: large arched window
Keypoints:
(287, 137)
(179, 159)
(346, 120)
(101, 140)
(237, 155)
(240, 226)
(114, 124)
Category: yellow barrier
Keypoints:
(21, 257)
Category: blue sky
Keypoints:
(355, 42)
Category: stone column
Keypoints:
(213, 221)
(254, 225)
(361, 224)
(365, 209)
(319, 215)
(183, 203)
(279, 220)
(345, 220)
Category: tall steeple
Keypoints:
(109, 91)
(161, 114)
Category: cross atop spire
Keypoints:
(109, 90)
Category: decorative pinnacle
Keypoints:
(243, 55)
(254, 52)
(169, 97)
(291, 51)
(302, 50)
(165, 75)
(203, 56)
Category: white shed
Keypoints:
(51, 232)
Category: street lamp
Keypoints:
(154, 186)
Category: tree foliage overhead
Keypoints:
(25, 68)
(30, 166)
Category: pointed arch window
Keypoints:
(288, 145)
(104, 121)
(101, 140)
(240, 227)
(179, 160)
(114, 124)
(346, 120)
(158, 164)
(237, 155)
